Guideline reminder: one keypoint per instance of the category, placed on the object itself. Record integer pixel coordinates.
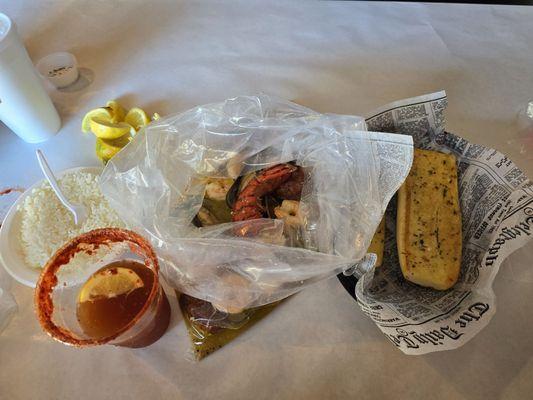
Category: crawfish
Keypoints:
(248, 204)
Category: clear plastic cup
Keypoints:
(56, 294)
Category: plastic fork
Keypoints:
(78, 210)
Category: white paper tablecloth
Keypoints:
(346, 57)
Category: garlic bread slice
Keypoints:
(429, 236)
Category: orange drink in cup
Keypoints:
(102, 287)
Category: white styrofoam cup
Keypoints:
(25, 107)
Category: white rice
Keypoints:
(47, 224)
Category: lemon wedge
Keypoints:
(118, 111)
(109, 283)
(155, 117)
(107, 148)
(104, 113)
(137, 118)
(109, 130)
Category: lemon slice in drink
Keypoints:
(118, 111)
(137, 118)
(109, 283)
(104, 113)
(109, 130)
(107, 148)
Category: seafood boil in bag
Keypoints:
(252, 199)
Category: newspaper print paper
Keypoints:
(497, 208)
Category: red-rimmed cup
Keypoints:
(64, 275)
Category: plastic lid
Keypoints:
(7, 27)
(7, 31)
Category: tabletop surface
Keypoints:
(341, 57)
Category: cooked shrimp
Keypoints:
(289, 211)
(217, 188)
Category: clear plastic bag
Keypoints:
(157, 185)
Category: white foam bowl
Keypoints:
(11, 254)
